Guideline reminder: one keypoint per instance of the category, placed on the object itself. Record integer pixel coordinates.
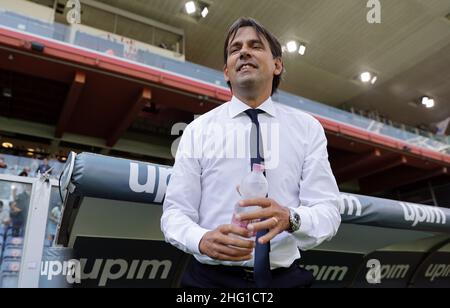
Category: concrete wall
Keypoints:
(30, 9)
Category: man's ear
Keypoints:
(278, 66)
(225, 73)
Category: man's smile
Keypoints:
(246, 66)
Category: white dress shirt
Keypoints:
(214, 155)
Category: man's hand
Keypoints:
(222, 244)
(275, 217)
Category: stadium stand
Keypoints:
(22, 23)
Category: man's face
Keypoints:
(250, 64)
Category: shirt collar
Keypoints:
(236, 107)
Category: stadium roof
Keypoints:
(409, 49)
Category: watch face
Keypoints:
(296, 218)
(295, 221)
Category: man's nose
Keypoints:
(244, 53)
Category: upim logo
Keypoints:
(349, 204)
(71, 269)
(394, 271)
(106, 270)
(156, 182)
(422, 213)
(136, 270)
(378, 272)
(327, 273)
(437, 271)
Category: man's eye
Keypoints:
(233, 50)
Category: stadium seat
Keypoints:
(12, 253)
(99, 44)
(9, 232)
(47, 243)
(9, 274)
(10, 266)
(14, 242)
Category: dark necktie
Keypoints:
(262, 274)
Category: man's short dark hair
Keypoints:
(274, 44)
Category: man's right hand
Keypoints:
(223, 244)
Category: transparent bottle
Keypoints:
(253, 185)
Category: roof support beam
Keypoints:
(368, 165)
(398, 177)
(70, 104)
(144, 97)
(352, 162)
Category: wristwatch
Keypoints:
(294, 221)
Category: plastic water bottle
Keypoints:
(253, 185)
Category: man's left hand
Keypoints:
(273, 216)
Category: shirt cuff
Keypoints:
(193, 240)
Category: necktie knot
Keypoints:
(253, 114)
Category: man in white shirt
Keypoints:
(214, 154)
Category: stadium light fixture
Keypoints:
(205, 12)
(368, 77)
(428, 102)
(365, 77)
(190, 7)
(7, 145)
(196, 9)
(302, 49)
(291, 46)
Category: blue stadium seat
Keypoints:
(98, 44)
(47, 243)
(9, 280)
(14, 242)
(12, 253)
(10, 266)
(61, 32)
(9, 232)
(9, 274)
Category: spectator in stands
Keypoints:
(44, 167)
(25, 172)
(53, 220)
(16, 217)
(110, 52)
(3, 164)
(19, 211)
(4, 215)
